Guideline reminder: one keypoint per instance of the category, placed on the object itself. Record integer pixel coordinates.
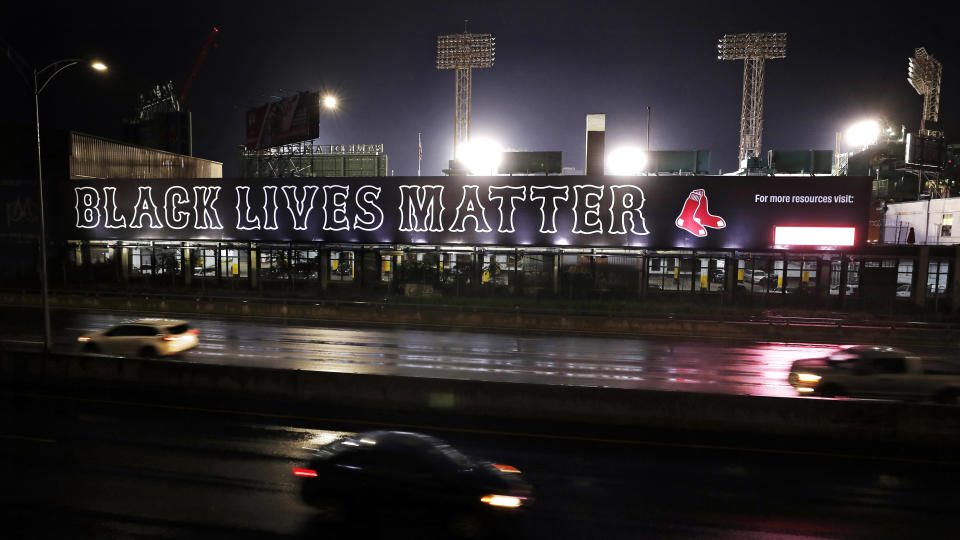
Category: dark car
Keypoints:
(411, 475)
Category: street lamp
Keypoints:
(47, 74)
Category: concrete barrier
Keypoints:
(467, 318)
(855, 420)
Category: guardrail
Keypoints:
(728, 316)
(840, 323)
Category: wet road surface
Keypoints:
(698, 366)
(93, 467)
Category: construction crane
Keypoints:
(210, 43)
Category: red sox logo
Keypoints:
(695, 215)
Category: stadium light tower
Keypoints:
(923, 73)
(464, 53)
(754, 49)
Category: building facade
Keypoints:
(733, 240)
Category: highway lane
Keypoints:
(91, 468)
(700, 366)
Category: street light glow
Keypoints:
(480, 156)
(99, 66)
(863, 134)
(330, 101)
(626, 161)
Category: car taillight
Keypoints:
(505, 501)
(506, 468)
(304, 472)
(194, 332)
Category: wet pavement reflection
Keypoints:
(628, 362)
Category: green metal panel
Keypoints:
(800, 161)
(361, 166)
(531, 162)
(313, 166)
(328, 166)
(679, 161)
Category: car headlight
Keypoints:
(808, 377)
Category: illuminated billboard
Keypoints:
(660, 212)
(290, 120)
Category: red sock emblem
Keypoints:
(703, 215)
(686, 218)
(696, 215)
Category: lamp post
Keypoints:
(51, 71)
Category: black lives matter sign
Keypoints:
(696, 212)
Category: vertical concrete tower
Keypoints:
(596, 129)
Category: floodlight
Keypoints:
(480, 156)
(754, 49)
(464, 53)
(626, 161)
(763, 45)
(863, 134)
(923, 74)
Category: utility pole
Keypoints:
(648, 130)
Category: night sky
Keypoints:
(556, 61)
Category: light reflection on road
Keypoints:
(698, 366)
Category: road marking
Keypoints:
(24, 438)
(549, 436)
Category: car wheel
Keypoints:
(948, 396)
(830, 391)
(91, 348)
(148, 352)
(330, 509)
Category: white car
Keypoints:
(142, 337)
(754, 276)
(876, 372)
